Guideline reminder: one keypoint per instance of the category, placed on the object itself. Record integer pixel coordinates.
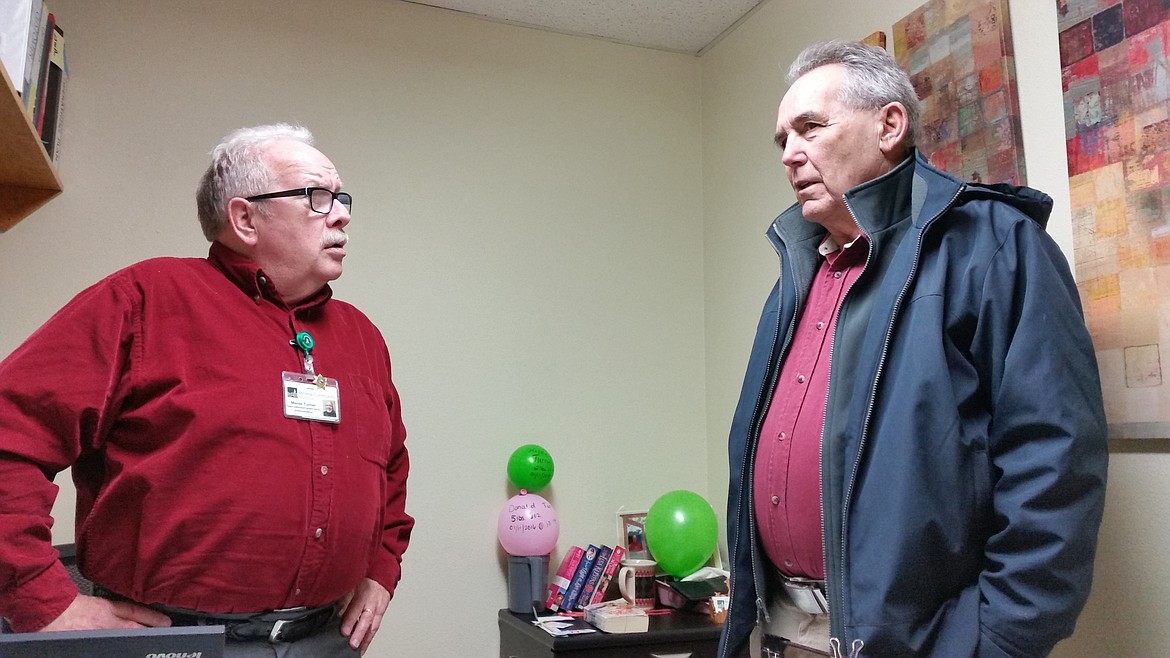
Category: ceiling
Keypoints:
(681, 26)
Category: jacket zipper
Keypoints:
(825, 417)
(848, 494)
(749, 455)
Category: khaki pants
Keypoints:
(807, 632)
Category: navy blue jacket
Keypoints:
(964, 453)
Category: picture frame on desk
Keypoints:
(631, 529)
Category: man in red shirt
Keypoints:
(235, 436)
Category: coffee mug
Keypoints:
(636, 582)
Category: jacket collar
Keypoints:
(876, 205)
(886, 200)
(881, 203)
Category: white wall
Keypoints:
(561, 239)
(744, 188)
(527, 235)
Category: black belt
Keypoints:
(276, 626)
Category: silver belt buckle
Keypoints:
(807, 595)
(274, 635)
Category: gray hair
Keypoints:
(873, 78)
(238, 169)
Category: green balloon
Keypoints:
(681, 532)
(530, 467)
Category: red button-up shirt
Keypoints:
(787, 477)
(161, 385)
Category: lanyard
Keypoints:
(304, 342)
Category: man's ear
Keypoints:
(894, 125)
(241, 224)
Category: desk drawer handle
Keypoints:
(672, 655)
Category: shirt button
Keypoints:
(782, 436)
(298, 591)
(800, 379)
(820, 325)
(324, 470)
(263, 280)
(319, 533)
(788, 563)
(836, 275)
(775, 500)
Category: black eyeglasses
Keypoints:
(320, 199)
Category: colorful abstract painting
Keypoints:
(959, 55)
(1114, 57)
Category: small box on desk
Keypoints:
(617, 617)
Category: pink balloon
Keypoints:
(528, 525)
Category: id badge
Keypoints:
(311, 398)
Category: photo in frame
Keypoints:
(631, 530)
(631, 527)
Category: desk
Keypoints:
(680, 633)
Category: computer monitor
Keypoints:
(166, 642)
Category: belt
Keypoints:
(288, 625)
(773, 646)
(277, 626)
(806, 593)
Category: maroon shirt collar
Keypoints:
(250, 278)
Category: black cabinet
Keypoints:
(677, 635)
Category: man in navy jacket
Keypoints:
(918, 456)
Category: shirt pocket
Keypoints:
(371, 420)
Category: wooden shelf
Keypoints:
(28, 178)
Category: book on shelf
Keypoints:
(559, 583)
(591, 582)
(33, 62)
(36, 101)
(50, 128)
(579, 578)
(611, 568)
(19, 22)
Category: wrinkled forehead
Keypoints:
(294, 163)
(816, 94)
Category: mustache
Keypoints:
(334, 238)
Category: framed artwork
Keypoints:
(876, 39)
(960, 59)
(1114, 58)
